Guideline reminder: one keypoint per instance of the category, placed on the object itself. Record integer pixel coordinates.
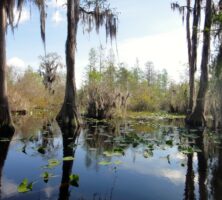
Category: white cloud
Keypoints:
(57, 3)
(175, 176)
(17, 63)
(8, 188)
(25, 16)
(166, 50)
(57, 17)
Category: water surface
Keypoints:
(129, 160)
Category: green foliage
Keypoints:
(112, 153)
(110, 89)
(68, 158)
(27, 91)
(25, 186)
(217, 18)
(146, 90)
(74, 180)
(105, 163)
(52, 163)
(46, 176)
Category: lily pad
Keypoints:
(112, 153)
(68, 158)
(41, 150)
(52, 163)
(46, 176)
(105, 163)
(25, 186)
(169, 142)
(147, 153)
(118, 162)
(74, 180)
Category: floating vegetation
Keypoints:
(169, 143)
(147, 153)
(41, 150)
(52, 163)
(46, 176)
(105, 163)
(68, 158)
(25, 186)
(118, 162)
(111, 153)
(189, 149)
(74, 180)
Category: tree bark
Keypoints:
(197, 118)
(5, 117)
(192, 49)
(68, 116)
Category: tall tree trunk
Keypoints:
(197, 118)
(189, 44)
(5, 117)
(216, 110)
(192, 49)
(68, 116)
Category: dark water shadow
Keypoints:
(202, 168)
(5, 140)
(69, 137)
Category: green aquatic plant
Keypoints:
(74, 180)
(46, 176)
(41, 150)
(68, 158)
(25, 186)
(52, 163)
(147, 153)
(105, 163)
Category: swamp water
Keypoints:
(132, 160)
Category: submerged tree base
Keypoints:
(196, 120)
(5, 118)
(68, 117)
(7, 130)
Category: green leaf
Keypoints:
(169, 142)
(147, 153)
(105, 163)
(41, 150)
(112, 153)
(46, 176)
(68, 158)
(52, 163)
(118, 162)
(25, 186)
(74, 180)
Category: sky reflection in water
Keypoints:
(149, 160)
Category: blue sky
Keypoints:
(148, 30)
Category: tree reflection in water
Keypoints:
(5, 137)
(69, 137)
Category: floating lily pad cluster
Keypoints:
(26, 186)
